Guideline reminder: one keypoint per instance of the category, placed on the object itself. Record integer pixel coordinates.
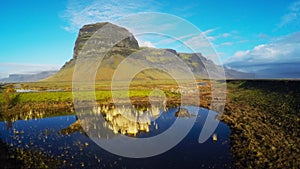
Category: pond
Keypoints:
(63, 139)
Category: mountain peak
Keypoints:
(89, 31)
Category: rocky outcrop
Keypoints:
(87, 31)
(182, 112)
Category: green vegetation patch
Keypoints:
(82, 95)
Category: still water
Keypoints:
(62, 138)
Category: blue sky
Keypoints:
(250, 35)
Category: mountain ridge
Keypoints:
(28, 77)
(129, 46)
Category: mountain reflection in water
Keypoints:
(125, 120)
(64, 138)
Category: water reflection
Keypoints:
(64, 138)
(27, 115)
(11, 117)
(126, 120)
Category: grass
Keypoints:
(280, 98)
(99, 85)
(137, 89)
(68, 96)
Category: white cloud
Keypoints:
(199, 41)
(243, 41)
(79, 13)
(292, 15)
(146, 44)
(24, 68)
(203, 40)
(213, 38)
(193, 39)
(209, 31)
(167, 40)
(226, 44)
(225, 35)
(285, 50)
(263, 36)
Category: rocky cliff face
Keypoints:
(87, 31)
(129, 45)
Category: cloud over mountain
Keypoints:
(278, 59)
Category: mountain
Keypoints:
(87, 48)
(28, 77)
(270, 70)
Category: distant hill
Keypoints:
(129, 46)
(28, 77)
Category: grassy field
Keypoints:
(68, 96)
(276, 97)
(63, 90)
(99, 85)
